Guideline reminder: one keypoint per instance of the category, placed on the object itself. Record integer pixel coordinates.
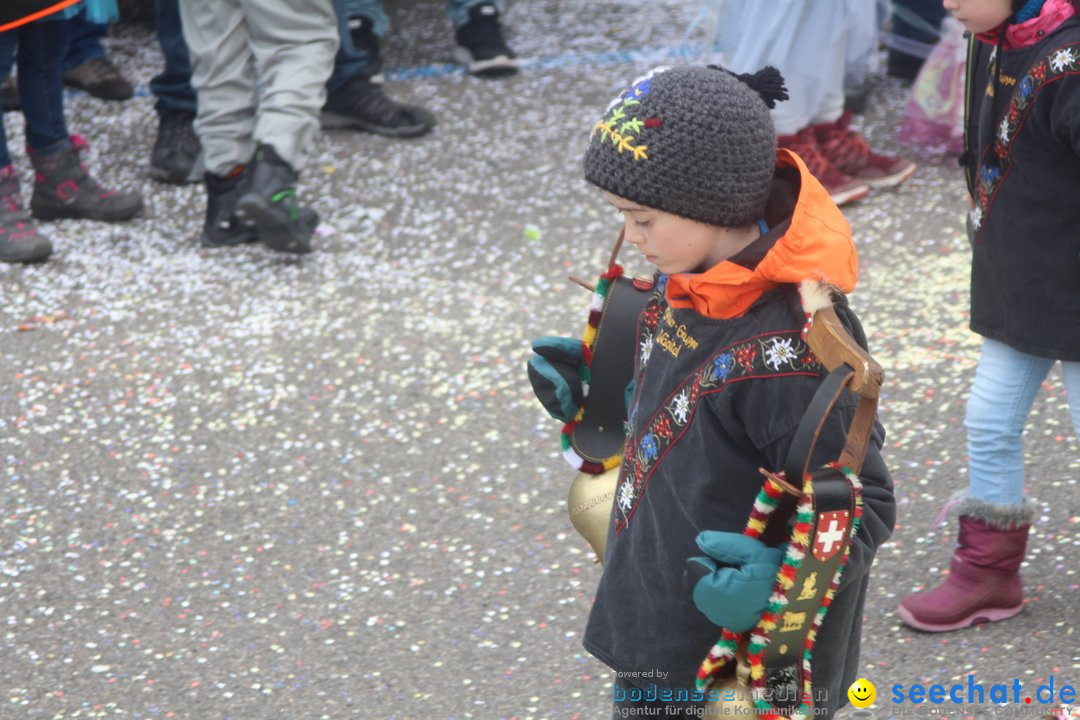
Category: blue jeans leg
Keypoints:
(41, 47)
(351, 61)
(172, 86)
(371, 9)
(1006, 382)
(458, 10)
(1071, 371)
(84, 41)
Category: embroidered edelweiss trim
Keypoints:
(774, 354)
(993, 169)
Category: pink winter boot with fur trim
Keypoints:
(983, 584)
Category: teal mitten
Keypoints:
(555, 373)
(733, 584)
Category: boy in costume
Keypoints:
(747, 245)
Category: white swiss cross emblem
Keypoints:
(832, 527)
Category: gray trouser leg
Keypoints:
(293, 43)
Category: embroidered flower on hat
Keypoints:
(620, 127)
(693, 141)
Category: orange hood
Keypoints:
(817, 246)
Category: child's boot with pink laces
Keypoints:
(63, 188)
(20, 241)
(983, 584)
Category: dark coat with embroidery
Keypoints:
(1024, 177)
(715, 400)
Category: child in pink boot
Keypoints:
(1023, 140)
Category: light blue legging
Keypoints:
(456, 10)
(1006, 382)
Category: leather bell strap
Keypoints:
(813, 420)
(833, 521)
(800, 452)
(600, 433)
(834, 514)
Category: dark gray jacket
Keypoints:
(715, 400)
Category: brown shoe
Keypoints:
(842, 188)
(849, 152)
(99, 77)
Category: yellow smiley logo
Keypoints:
(862, 693)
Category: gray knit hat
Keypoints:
(692, 141)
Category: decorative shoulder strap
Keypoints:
(592, 441)
(817, 513)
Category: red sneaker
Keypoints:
(848, 151)
(842, 188)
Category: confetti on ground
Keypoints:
(320, 487)
(532, 232)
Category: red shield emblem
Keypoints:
(832, 530)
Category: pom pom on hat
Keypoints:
(766, 82)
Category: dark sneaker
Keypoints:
(362, 33)
(99, 77)
(20, 242)
(849, 153)
(362, 105)
(481, 44)
(222, 227)
(176, 150)
(64, 189)
(268, 201)
(9, 95)
(842, 188)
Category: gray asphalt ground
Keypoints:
(238, 485)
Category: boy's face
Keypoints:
(979, 16)
(675, 244)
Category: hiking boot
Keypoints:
(481, 45)
(362, 105)
(842, 188)
(983, 584)
(64, 189)
(20, 242)
(849, 153)
(362, 33)
(222, 227)
(268, 200)
(99, 77)
(9, 95)
(175, 156)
